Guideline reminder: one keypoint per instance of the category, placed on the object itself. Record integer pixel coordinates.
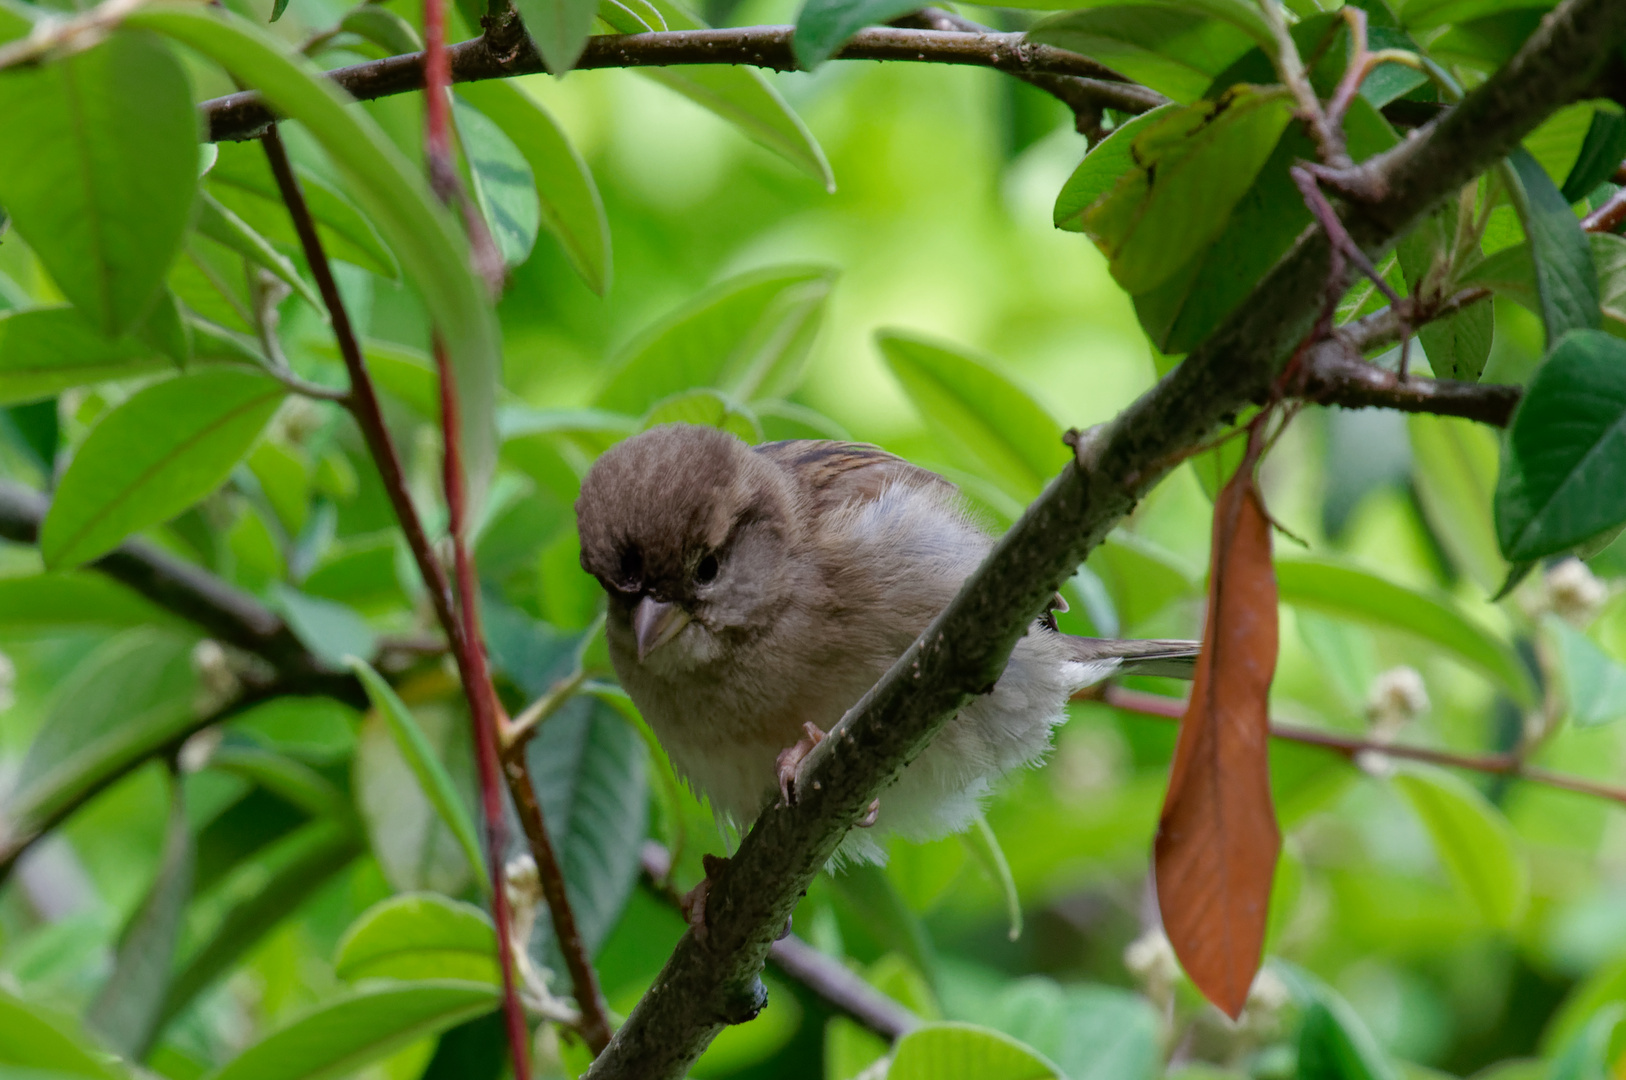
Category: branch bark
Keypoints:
(244, 116)
(708, 984)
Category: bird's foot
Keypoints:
(693, 902)
(790, 759)
(870, 815)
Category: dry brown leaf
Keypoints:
(1217, 840)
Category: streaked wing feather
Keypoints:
(839, 473)
(1174, 659)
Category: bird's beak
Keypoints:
(655, 623)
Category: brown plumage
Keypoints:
(756, 590)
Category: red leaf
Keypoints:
(1217, 840)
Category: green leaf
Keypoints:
(1172, 51)
(740, 95)
(31, 1038)
(1454, 465)
(983, 845)
(1426, 13)
(122, 703)
(1457, 346)
(1566, 280)
(748, 336)
(708, 408)
(1510, 273)
(504, 187)
(1192, 167)
(966, 1052)
(242, 182)
(227, 922)
(127, 1008)
(1090, 1032)
(154, 455)
(334, 632)
(395, 195)
(590, 768)
(1365, 597)
(1473, 840)
(1600, 155)
(1587, 1056)
(100, 169)
(1239, 13)
(1335, 1045)
(1561, 479)
(1595, 685)
(44, 351)
(997, 427)
(570, 205)
(341, 1036)
(43, 603)
(1101, 169)
(383, 28)
(219, 224)
(418, 936)
(823, 26)
(290, 780)
(420, 757)
(559, 29)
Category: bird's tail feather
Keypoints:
(1175, 659)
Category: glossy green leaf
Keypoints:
(983, 845)
(966, 1052)
(127, 1009)
(100, 170)
(707, 408)
(590, 768)
(740, 95)
(1510, 273)
(1561, 479)
(1566, 280)
(419, 936)
(1239, 13)
(33, 1039)
(284, 480)
(1454, 465)
(569, 200)
(1457, 346)
(1587, 1055)
(504, 187)
(383, 27)
(426, 766)
(823, 26)
(1426, 13)
(1193, 166)
(1357, 594)
(219, 224)
(559, 29)
(1472, 839)
(1601, 154)
(341, 1036)
(747, 336)
(123, 702)
(1091, 1032)
(44, 351)
(231, 918)
(43, 603)
(1487, 42)
(1101, 169)
(1594, 684)
(1335, 1045)
(999, 428)
(288, 779)
(1172, 51)
(157, 453)
(241, 181)
(395, 195)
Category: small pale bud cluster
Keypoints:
(1150, 959)
(299, 418)
(1267, 997)
(1398, 696)
(217, 676)
(1574, 593)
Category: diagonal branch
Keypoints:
(708, 984)
(243, 115)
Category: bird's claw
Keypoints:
(790, 760)
(870, 815)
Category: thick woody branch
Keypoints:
(243, 115)
(713, 981)
(1334, 374)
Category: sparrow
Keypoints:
(756, 592)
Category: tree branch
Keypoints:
(243, 115)
(1335, 374)
(712, 982)
(1350, 747)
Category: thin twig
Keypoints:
(362, 402)
(244, 115)
(1350, 747)
(1609, 217)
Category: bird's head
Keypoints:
(689, 531)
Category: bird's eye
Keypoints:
(707, 570)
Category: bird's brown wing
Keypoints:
(1175, 659)
(839, 473)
